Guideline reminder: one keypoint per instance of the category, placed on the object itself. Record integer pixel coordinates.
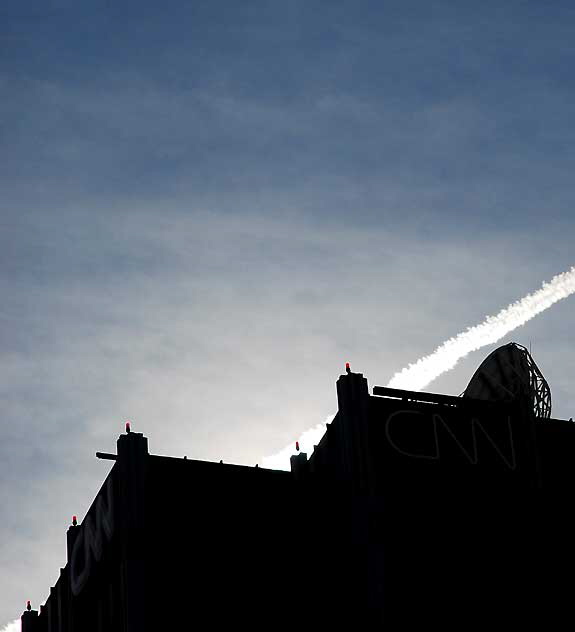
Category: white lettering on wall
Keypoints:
(435, 454)
(96, 530)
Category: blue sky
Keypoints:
(208, 207)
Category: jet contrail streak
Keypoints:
(311, 437)
(419, 374)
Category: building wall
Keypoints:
(409, 513)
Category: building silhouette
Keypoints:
(415, 509)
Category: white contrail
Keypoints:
(12, 627)
(419, 374)
(311, 437)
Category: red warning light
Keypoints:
(297, 446)
(347, 369)
(128, 427)
(28, 606)
(75, 521)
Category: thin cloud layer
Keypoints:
(15, 626)
(421, 373)
(208, 207)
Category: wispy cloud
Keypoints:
(212, 207)
(12, 627)
(419, 374)
(307, 441)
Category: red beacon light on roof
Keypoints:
(74, 521)
(28, 605)
(297, 446)
(128, 427)
(347, 369)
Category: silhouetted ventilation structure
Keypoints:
(415, 511)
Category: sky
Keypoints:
(209, 207)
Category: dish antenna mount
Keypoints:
(509, 373)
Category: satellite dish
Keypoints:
(509, 373)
